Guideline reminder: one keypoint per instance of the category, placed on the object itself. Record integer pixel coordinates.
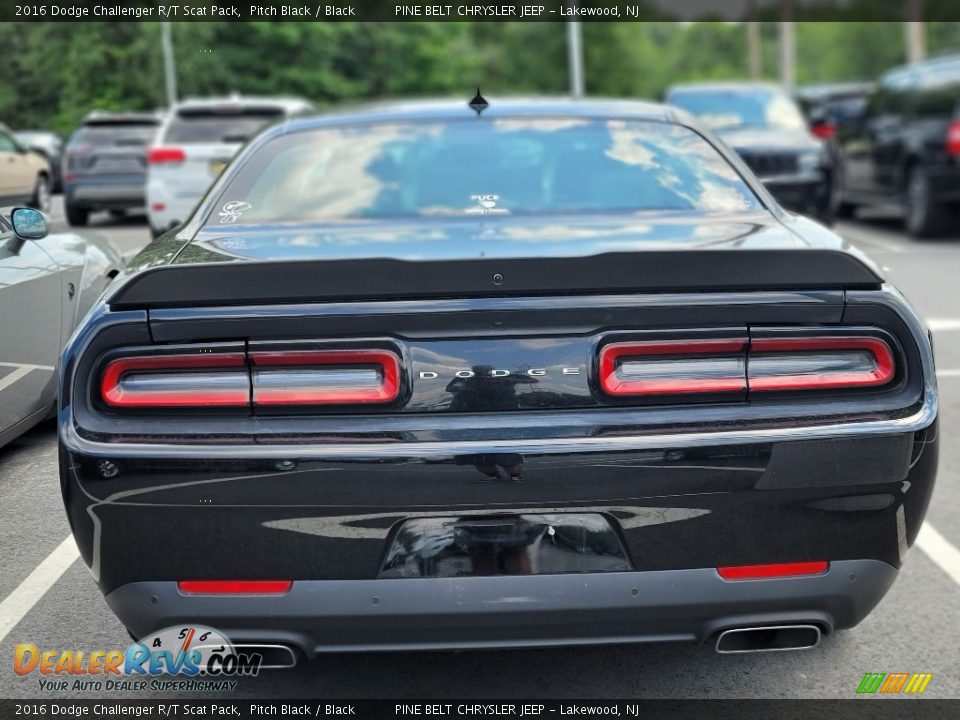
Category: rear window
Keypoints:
(219, 126)
(119, 133)
(733, 109)
(522, 166)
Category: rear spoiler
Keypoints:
(245, 282)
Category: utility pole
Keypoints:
(575, 56)
(754, 52)
(787, 46)
(754, 49)
(916, 35)
(169, 66)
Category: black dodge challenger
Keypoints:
(559, 373)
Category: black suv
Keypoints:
(904, 148)
(105, 164)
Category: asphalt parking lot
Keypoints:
(915, 629)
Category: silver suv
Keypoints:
(196, 141)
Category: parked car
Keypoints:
(904, 148)
(47, 284)
(197, 140)
(766, 128)
(404, 367)
(831, 106)
(105, 164)
(25, 176)
(48, 144)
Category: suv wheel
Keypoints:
(76, 215)
(924, 218)
(41, 194)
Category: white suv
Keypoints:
(194, 144)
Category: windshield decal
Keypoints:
(486, 205)
(232, 211)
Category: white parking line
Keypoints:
(20, 370)
(943, 324)
(28, 593)
(947, 374)
(936, 547)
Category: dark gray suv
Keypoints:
(105, 164)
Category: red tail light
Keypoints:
(953, 139)
(163, 155)
(215, 379)
(732, 365)
(757, 572)
(823, 130)
(800, 363)
(325, 377)
(234, 587)
(669, 367)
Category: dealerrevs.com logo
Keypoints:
(202, 655)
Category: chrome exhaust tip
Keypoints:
(770, 638)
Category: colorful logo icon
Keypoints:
(893, 683)
(187, 650)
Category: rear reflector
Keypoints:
(669, 367)
(799, 363)
(163, 155)
(215, 379)
(757, 572)
(234, 587)
(325, 377)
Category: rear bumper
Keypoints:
(489, 612)
(168, 205)
(106, 195)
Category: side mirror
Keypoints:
(28, 224)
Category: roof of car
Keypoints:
(102, 116)
(744, 86)
(499, 107)
(288, 104)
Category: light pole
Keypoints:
(169, 66)
(575, 57)
(788, 50)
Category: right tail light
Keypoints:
(818, 363)
(762, 364)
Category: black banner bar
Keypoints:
(467, 10)
(876, 708)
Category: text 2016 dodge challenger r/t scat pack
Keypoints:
(562, 373)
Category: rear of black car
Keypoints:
(485, 451)
(105, 163)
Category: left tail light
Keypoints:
(176, 381)
(165, 155)
(325, 377)
(952, 141)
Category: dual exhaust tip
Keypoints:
(771, 638)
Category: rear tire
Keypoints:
(41, 194)
(76, 215)
(924, 218)
(845, 210)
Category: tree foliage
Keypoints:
(55, 73)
